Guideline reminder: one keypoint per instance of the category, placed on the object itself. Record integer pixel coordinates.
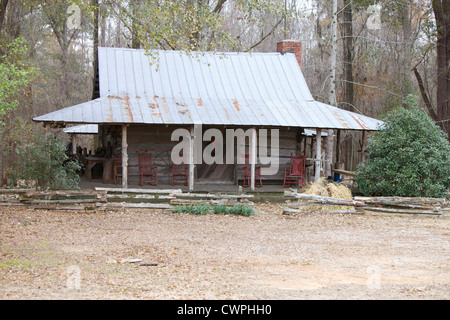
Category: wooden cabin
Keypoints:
(145, 97)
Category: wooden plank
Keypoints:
(68, 201)
(136, 205)
(191, 202)
(227, 202)
(397, 201)
(295, 205)
(213, 196)
(143, 191)
(321, 199)
(138, 196)
(62, 193)
(15, 191)
(77, 208)
(291, 210)
(11, 204)
(401, 211)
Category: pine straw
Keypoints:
(327, 189)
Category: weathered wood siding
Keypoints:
(157, 141)
(154, 140)
(289, 143)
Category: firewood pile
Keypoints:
(303, 203)
(113, 198)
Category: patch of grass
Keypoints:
(195, 209)
(202, 209)
(241, 210)
(221, 209)
(11, 263)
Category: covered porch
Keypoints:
(128, 142)
(140, 107)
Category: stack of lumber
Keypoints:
(10, 197)
(211, 198)
(434, 206)
(113, 198)
(56, 200)
(138, 198)
(301, 203)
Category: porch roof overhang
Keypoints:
(144, 110)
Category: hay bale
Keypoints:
(328, 189)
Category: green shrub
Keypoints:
(179, 209)
(241, 210)
(195, 209)
(220, 209)
(44, 160)
(408, 157)
(201, 209)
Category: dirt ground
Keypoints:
(73, 255)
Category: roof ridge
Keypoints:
(196, 52)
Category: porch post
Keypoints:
(305, 144)
(338, 164)
(191, 160)
(363, 146)
(311, 148)
(253, 146)
(318, 154)
(329, 153)
(124, 157)
(74, 144)
(338, 147)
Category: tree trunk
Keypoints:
(348, 55)
(135, 42)
(424, 94)
(407, 45)
(441, 10)
(95, 81)
(332, 92)
(3, 5)
(64, 84)
(56, 15)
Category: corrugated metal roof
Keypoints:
(171, 87)
(82, 129)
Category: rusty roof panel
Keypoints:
(268, 113)
(242, 89)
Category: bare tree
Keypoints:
(441, 10)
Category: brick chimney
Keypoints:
(291, 46)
